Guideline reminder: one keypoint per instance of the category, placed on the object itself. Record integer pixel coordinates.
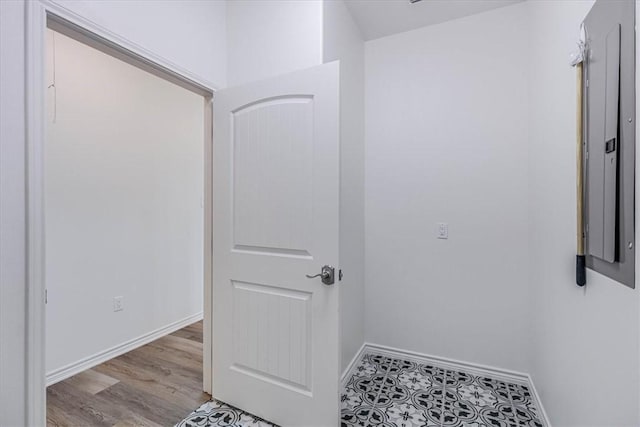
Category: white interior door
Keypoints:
(276, 188)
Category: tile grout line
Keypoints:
(444, 397)
(375, 401)
(511, 403)
(386, 374)
(513, 407)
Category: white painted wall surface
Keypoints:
(189, 33)
(12, 216)
(271, 37)
(585, 341)
(127, 24)
(342, 41)
(446, 141)
(124, 186)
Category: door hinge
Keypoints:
(46, 296)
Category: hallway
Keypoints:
(156, 384)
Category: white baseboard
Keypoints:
(98, 358)
(447, 363)
(352, 364)
(536, 396)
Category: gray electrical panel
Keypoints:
(609, 130)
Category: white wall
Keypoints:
(189, 33)
(410, 214)
(270, 37)
(124, 186)
(127, 23)
(446, 141)
(342, 41)
(12, 216)
(585, 341)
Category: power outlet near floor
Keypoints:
(442, 230)
(118, 303)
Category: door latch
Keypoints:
(327, 275)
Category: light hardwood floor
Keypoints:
(155, 385)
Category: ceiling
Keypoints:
(379, 18)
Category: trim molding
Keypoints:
(58, 11)
(536, 396)
(35, 24)
(348, 371)
(102, 356)
(447, 363)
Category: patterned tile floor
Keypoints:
(214, 414)
(388, 392)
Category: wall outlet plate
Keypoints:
(442, 231)
(118, 303)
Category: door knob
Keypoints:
(327, 274)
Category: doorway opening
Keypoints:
(126, 238)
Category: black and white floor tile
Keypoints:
(388, 392)
(218, 414)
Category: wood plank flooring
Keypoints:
(155, 385)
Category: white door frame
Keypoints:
(37, 14)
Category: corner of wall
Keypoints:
(342, 41)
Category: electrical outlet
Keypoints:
(118, 303)
(443, 230)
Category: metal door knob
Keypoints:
(327, 275)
